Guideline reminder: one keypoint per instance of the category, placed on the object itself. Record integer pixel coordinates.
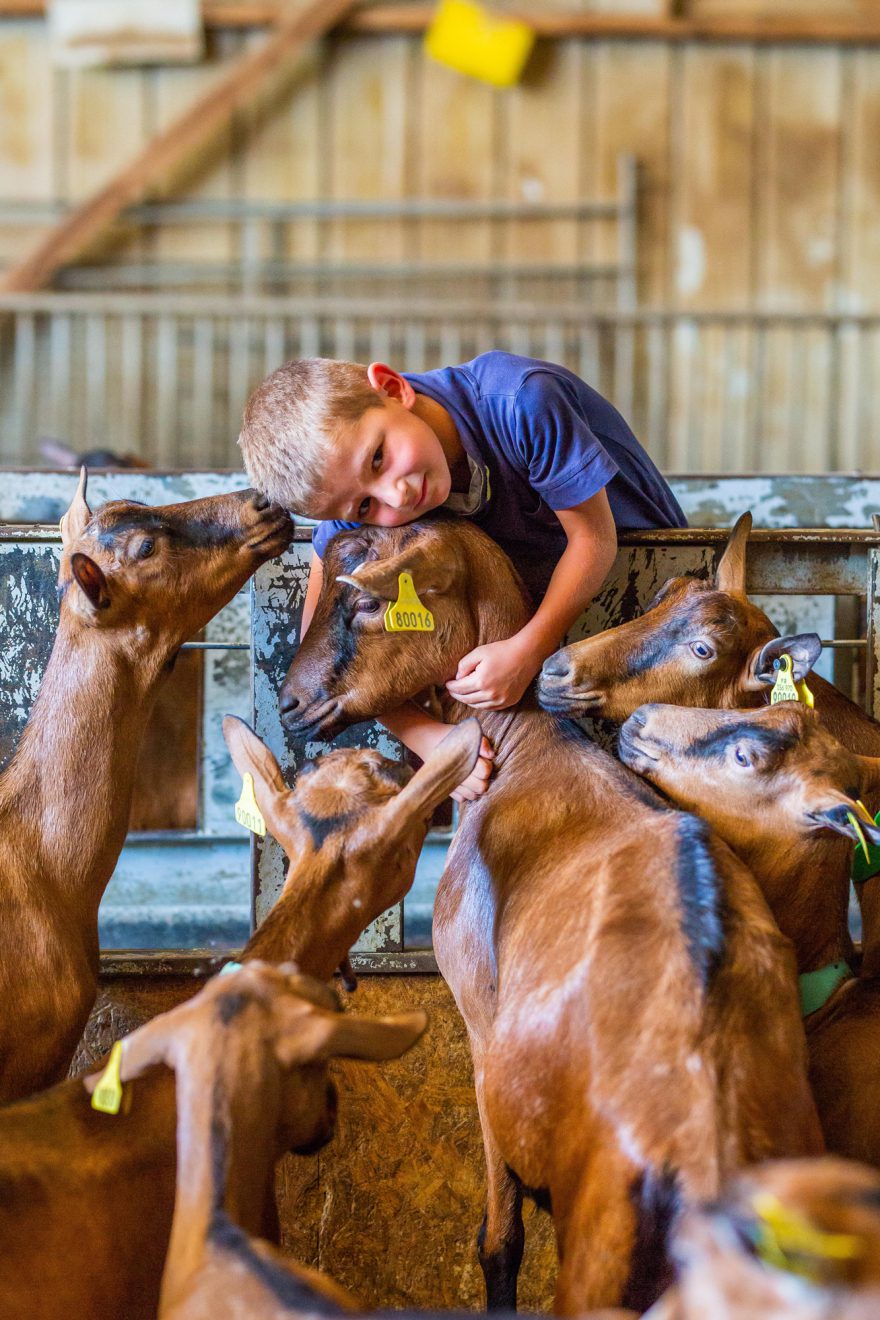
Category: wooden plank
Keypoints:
(456, 156)
(27, 108)
(632, 99)
(820, 26)
(712, 178)
(191, 130)
(797, 160)
(281, 152)
(368, 128)
(544, 107)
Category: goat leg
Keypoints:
(501, 1236)
(346, 971)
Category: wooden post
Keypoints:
(209, 113)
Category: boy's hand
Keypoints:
(494, 676)
(477, 782)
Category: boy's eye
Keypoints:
(364, 507)
(377, 458)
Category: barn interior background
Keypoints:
(679, 200)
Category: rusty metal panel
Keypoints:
(29, 615)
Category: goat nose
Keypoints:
(288, 702)
(261, 501)
(556, 666)
(639, 717)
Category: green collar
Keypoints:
(863, 868)
(817, 987)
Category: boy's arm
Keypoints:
(495, 676)
(415, 728)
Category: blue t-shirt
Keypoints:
(549, 442)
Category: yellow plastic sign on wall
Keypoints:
(466, 37)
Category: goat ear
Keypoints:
(342, 1035)
(804, 649)
(250, 755)
(730, 576)
(91, 580)
(143, 1049)
(451, 761)
(835, 814)
(79, 515)
(431, 573)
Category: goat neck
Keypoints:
(317, 918)
(224, 1159)
(73, 819)
(805, 880)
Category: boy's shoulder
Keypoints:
(496, 372)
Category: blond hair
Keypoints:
(292, 422)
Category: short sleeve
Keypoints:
(325, 531)
(565, 460)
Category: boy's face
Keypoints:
(389, 466)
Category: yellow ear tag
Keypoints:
(805, 695)
(247, 813)
(107, 1095)
(854, 821)
(784, 688)
(407, 613)
(788, 1241)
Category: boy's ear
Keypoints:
(387, 381)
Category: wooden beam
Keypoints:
(194, 127)
(414, 17)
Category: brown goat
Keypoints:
(610, 960)
(780, 790)
(788, 1240)
(165, 793)
(249, 1054)
(698, 643)
(136, 583)
(58, 1156)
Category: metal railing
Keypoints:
(167, 376)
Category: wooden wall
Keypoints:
(759, 164)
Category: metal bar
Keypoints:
(156, 304)
(216, 646)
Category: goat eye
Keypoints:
(702, 650)
(740, 756)
(367, 605)
(146, 548)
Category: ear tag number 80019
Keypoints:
(785, 688)
(407, 613)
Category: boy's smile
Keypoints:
(390, 466)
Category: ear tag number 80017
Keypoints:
(407, 613)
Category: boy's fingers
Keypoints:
(463, 686)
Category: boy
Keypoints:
(526, 449)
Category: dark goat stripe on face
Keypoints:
(768, 740)
(194, 534)
(321, 827)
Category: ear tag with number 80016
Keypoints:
(247, 813)
(407, 613)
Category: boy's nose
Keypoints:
(401, 493)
